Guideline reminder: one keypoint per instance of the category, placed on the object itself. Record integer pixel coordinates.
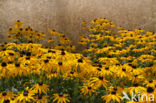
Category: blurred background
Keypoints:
(66, 16)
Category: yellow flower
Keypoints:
(61, 98)
(41, 99)
(124, 71)
(71, 74)
(88, 89)
(22, 70)
(40, 88)
(18, 24)
(99, 81)
(112, 96)
(4, 96)
(70, 48)
(117, 89)
(26, 96)
(105, 71)
(150, 83)
(135, 88)
(149, 91)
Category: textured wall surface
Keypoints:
(66, 15)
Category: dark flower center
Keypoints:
(80, 60)
(39, 97)
(62, 49)
(61, 95)
(133, 66)
(71, 72)
(3, 64)
(53, 51)
(6, 101)
(27, 58)
(109, 56)
(21, 29)
(17, 64)
(25, 93)
(63, 36)
(135, 84)
(89, 87)
(4, 49)
(46, 61)
(113, 92)
(98, 69)
(60, 63)
(30, 41)
(49, 57)
(100, 66)
(106, 68)
(101, 77)
(21, 55)
(123, 69)
(96, 62)
(28, 54)
(49, 51)
(63, 53)
(39, 56)
(11, 54)
(150, 89)
(40, 83)
(4, 93)
(150, 81)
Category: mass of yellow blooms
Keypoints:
(113, 61)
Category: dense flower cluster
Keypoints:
(115, 60)
(125, 58)
(21, 34)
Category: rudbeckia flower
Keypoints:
(6, 96)
(150, 93)
(123, 72)
(26, 96)
(41, 99)
(61, 98)
(106, 71)
(99, 81)
(40, 88)
(117, 89)
(88, 89)
(18, 24)
(113, 96)
(135, 88)
(22, 70)
(150, 83)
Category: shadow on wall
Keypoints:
(66, 15)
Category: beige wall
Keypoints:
(66, 15)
